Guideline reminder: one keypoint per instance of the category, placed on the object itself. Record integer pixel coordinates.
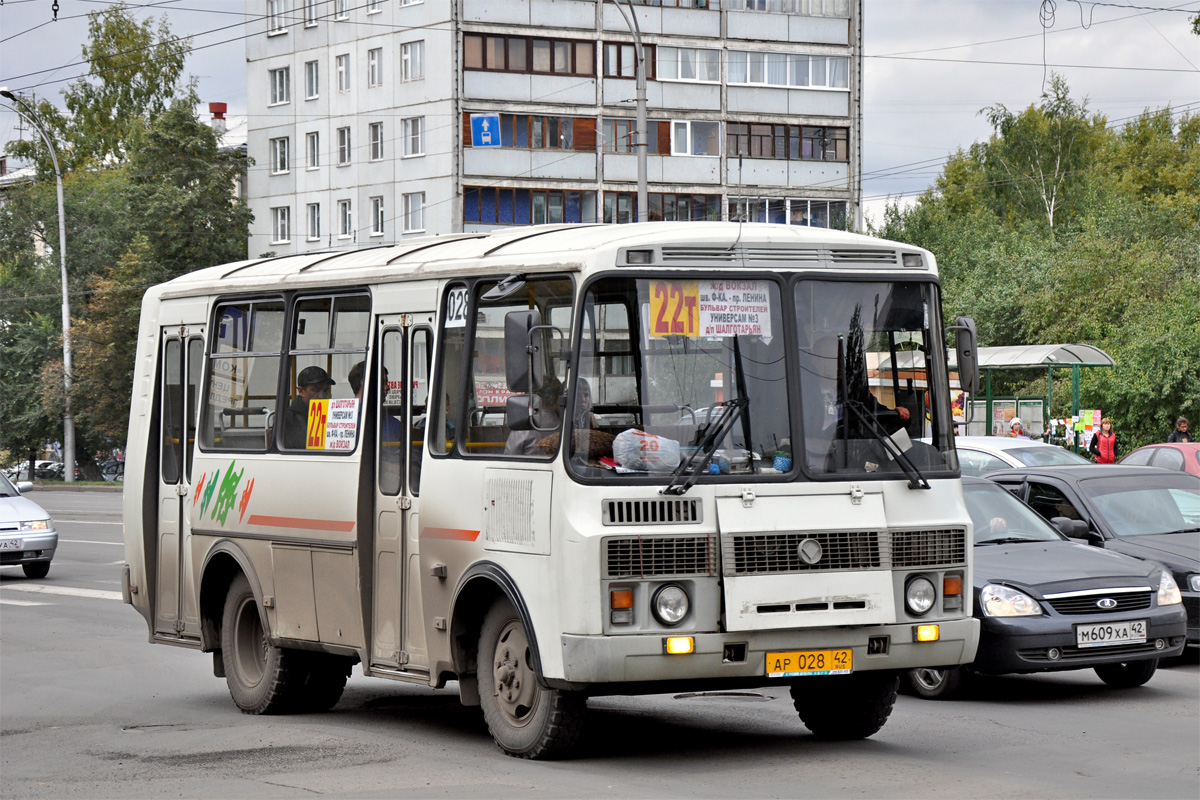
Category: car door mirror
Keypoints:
(24, 486)
(1076, 529)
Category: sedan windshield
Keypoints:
(1134, 506)
(6, 487)
(1045, 456)
(1001, 517)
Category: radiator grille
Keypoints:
(1086, 604)
(863, 256)
(929, 548)
(659, 556)
(764, 553)
(651, 512)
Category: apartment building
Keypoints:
(375, 120)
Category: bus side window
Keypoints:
(419, 358)
(391, 412)
(243, 376)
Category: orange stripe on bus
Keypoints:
(449, 533)
(301, 524)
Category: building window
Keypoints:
(414, 212)
(418, 2)
(341, 9)
(375, 131)
(688, 64)
(312, 144)
(787, 142)
(276, 16)
(688, 3)
(312, 80)
(310, 13)
(343, 145)
(377, 216)
(812, 8)
(281, 85)
(279, 155)
(314, 221)
(543, 132)
(413, 130)
(527, 54)
(619, 135)
(695, 138)
(620, 60)
(789, 69)
(502, 206)
(621, 207)
(342, 65)
(345, 220)
(412, 61)
(375, 67)
(789, 210)
(281, 229)
(374, 6)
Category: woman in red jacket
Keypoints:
(1104, 443)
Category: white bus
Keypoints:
(556, 462)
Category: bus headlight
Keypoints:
(670, 604)
(1168, 590)
(919, 596)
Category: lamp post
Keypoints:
(25, 111)
(643, 207)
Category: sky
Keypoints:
(929, 67)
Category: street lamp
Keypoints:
(68, 419)
(643, 207)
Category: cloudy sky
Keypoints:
(929, 66)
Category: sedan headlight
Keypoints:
(35, 525)
(1004, 601)
(1194, 583)
(1168, 590)
(670, 604)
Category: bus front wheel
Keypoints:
(525, 719)
(262, 678)
(851, 706)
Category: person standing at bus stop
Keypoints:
(1180, 434)
(1104, 443)
(313, 383)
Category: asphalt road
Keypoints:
(89, 709)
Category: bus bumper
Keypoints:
(640, 657)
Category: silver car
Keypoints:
(27, 535)
(979, 455)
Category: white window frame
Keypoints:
(312, 80)
(280, 163)
(375, 137)
(377, 220)
(686, 125)
(280, 81)
(281, 225)
(314, 222)
(276, 17)
(743, 58)
(341, 9)
(414, 212)
(312, 144)
(344, 152)
(374, 6)
(411, 2)
(666, 72)
(412, 61)
(375, 67)
(413, 129)
(342, 67)
(311, 14)
(345, 219)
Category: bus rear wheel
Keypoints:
(324, 681)
(262, 678)
(851, 706)
(525, 719)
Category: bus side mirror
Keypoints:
(519, 410)
(965, 345)
(524, 365)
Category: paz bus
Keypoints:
(556, 462)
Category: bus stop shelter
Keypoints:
(1049, 357)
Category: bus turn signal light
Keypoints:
(622, 598)
(952, 584)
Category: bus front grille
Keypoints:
(659, 556)
(766, 553)
(936, 547)
(655, 511)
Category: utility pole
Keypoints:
(643, 206)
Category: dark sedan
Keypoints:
(1046, 603)
(1144, 512)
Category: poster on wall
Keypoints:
(1002, 413)
(1030, 412)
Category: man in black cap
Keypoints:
(313, 383)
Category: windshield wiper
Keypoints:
(1009, 540)
(915, 479)
(711, 436)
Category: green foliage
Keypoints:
(1115, 264)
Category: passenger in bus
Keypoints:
(313, 383)
(390, 431)
(525, 442)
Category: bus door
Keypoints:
(182, 356)
(406, 349)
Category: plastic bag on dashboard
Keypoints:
(634, 449)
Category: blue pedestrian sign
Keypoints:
(485, 130)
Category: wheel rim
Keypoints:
(513, 679)
(250, 645)
(928, 678)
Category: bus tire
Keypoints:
(525, 719)
(851, 706)
(324, 681)
(262, 678)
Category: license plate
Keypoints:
(1105, 633)
(796, 663)
(10, 544)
